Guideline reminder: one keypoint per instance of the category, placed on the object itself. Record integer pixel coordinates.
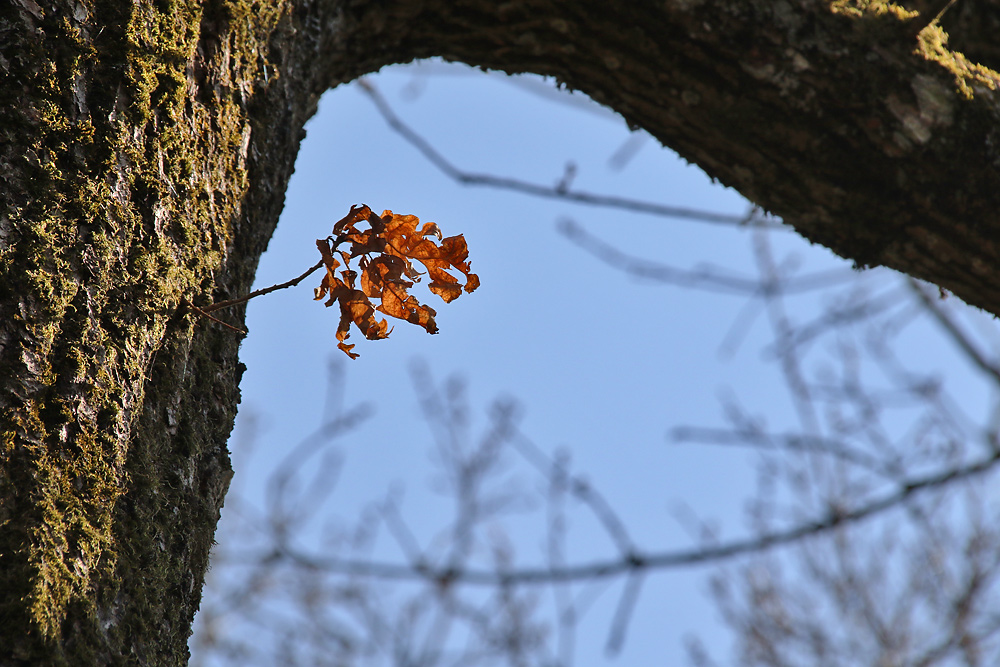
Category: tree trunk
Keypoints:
(144, 152)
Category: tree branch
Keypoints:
(560, 191)
(636, 561)
(261, 292)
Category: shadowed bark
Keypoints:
(144, 154)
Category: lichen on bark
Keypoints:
(127, 173)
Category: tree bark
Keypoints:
(144, 152)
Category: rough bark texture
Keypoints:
(144, 153)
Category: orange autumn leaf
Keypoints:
(384, 252)
(383, 270)
(397, 303)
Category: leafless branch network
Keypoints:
(872, 536)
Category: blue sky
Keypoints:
(599, 363)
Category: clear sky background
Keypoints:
(599, 363)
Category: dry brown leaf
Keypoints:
(384, 252)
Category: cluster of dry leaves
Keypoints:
(385, 251)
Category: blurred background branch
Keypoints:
(870, 537)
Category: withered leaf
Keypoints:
(383, 270)
(330, 277)
(397, 303)
(385, 251)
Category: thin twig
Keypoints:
(977, 358)
(930, 16)
(636, 561)
(214, 319)
(405, 539)
(626, 605)
(833, 447)
(705, 278)
(555, 470)
(267, 290)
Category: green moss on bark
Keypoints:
(135, 131)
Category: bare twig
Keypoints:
(581, 490)
(706, 278)
(930, 16)
(204, 313)
(626, 605)
(636, 561)
(561, 191)
(261, 292)
(955, 333)
(792, 442)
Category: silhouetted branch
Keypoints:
(854, 309)
(534, 189)
(637, 561)
(626, 605)
(954, 332)
(261, 292)
(707, 278)
(776, 441)
(579, 488)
